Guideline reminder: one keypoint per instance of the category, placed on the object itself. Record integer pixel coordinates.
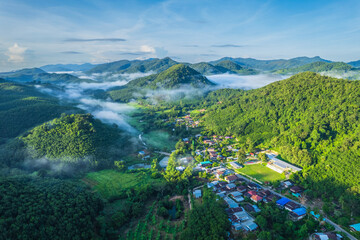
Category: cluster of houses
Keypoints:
(232, 194)
(188, 121)
(235, 190)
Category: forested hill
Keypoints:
(271, 65)
(225, 66)
(313, 120)
(23, 107)
(126, 66)
(72, 138)
(175, 77)
(319, 67)
(39, 75)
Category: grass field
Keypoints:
(260, 172)
(160, 139)
(111, 183)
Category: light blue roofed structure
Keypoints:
(356, 227)
(205, 163)
(300, 211)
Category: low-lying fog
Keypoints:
(244, 82)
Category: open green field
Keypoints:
(260, 172)
(111, 183)
(160, 139)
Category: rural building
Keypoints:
(230, 186)
(281, 166)
(206, 164)
(272, 197)
(290, 206)
(236, 165)
(241, 188)
(326, 236)
(355, 227)
(256, 209)
(296, 189)
(252, 186)
(281, 202)
(231, 178)
(231, 203)
(256, 198)
(212, 184)
(237, 196)
(197, 193)
(287, 184)
(249, 225)
(297, 214)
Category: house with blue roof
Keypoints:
(282, 201)
(298, 214)
(355, 227)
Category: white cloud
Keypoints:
(16, 53)
(147, 49)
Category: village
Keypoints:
(246, 180)
(243, 194)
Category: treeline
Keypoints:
(312, 120)
(207, 220)
(33, 208)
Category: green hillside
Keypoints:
(125, 66)
(23, 107)
(271, 65)
(71, 138)
(232, 67)
(172, 78)
(318, 67)
(39, 75)
(312, 120)
(355, 64)
(206, 68)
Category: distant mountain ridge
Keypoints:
(270, 65)
(134, 66)
(37, 74)
(67, 67)
(319, 67)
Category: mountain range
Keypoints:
(39, 75)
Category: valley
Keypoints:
(106, 134)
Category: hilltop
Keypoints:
(172, 78)
(71, 138)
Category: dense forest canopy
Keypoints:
(71, 138)
(311, 119)
(35, 208)
(318, 67)
(23, 107)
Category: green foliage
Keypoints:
(312, 120)
(269, 65)
(125, 66)
(71, 138)
(23, 107)
(207, 220)
(38, 75)
(318, 67)
(33, 208)
(171, 78)
(232, 67)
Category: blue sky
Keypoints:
(37, 32)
